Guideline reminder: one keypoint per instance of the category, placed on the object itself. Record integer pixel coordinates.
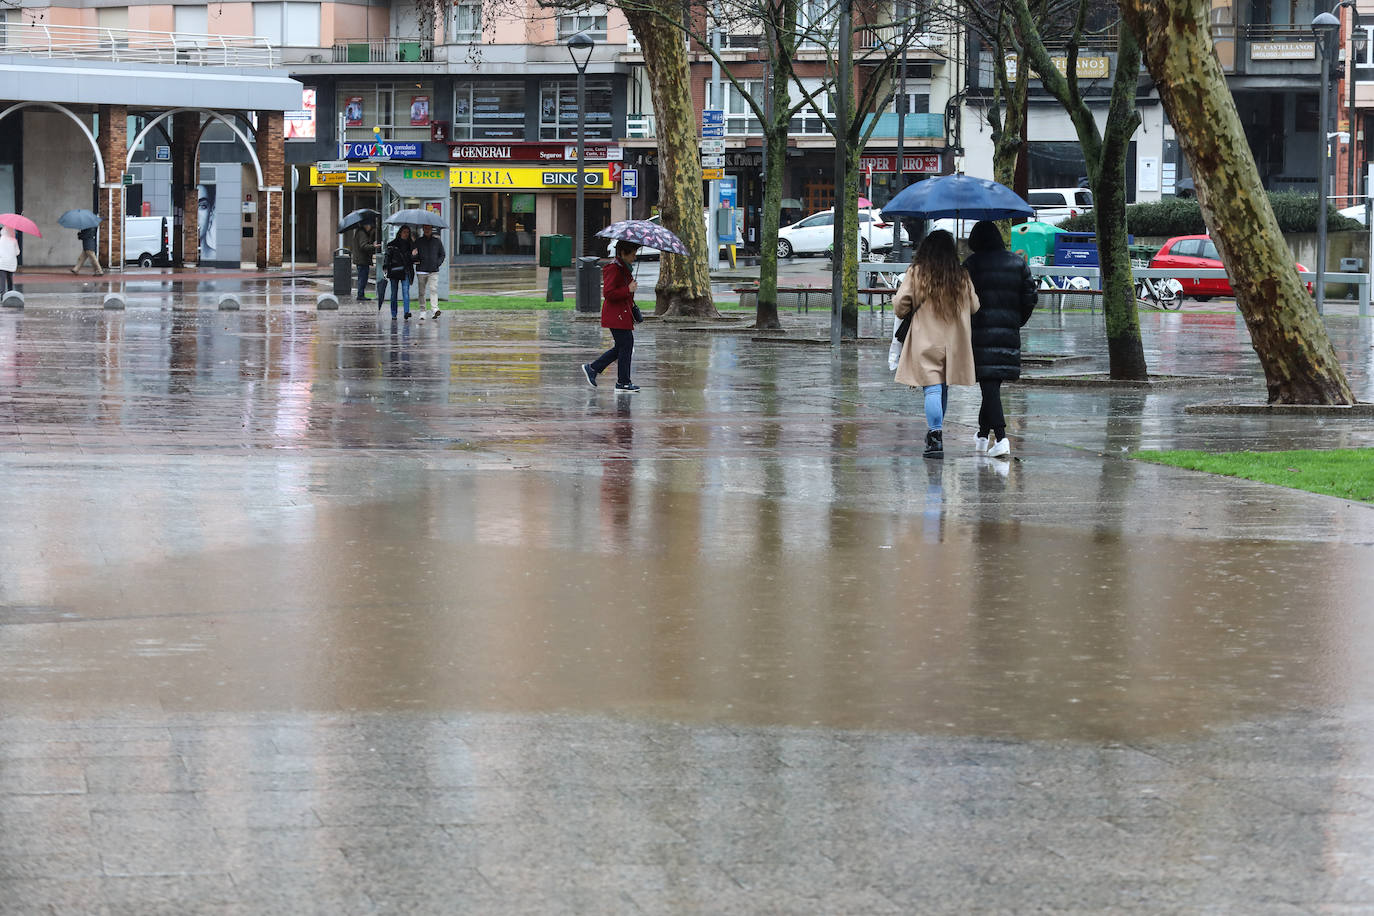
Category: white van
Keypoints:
(1054, 205)
(147, 240)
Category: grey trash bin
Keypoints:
(343, 273)
(589, 284)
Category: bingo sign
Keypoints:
(383, 150)
(629, 183)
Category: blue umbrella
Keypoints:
(78, 219)
(958, 196)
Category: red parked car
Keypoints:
(1185, 251)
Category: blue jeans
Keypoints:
(403, 287)
(937, 399)
(362, 280)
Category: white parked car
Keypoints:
(1356, 213)
(816, 233)
(1054, 205)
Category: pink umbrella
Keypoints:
(20, 223)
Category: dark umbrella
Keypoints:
(416, 217)
(645, 234)
(959, 196)
(78, 219)
(358, 217)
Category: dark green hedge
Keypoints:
(1176, 216)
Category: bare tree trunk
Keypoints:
(684, 282)
(849, 284)
(1300, 365)
(775, 148)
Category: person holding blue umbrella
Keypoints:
(937, 296)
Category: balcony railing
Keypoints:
(639, 127)
(917, 126)
(875, 38)
(384, 51)
(135, 46)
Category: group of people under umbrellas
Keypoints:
(408, 260)
(960, 324)
(85, 222)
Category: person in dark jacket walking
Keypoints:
(1006, 298)
(400, 268)
(618, 313)
(362, 247)
(88, 239)
(429, 257)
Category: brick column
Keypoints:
(113, 142)
(271, 149)
(185, 181)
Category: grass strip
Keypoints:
(1347, 473)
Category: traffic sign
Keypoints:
(713, 162)
(713, 122)
(629, 183)
(712, 174)
(332, 165)
(713, 146)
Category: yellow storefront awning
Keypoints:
(486, 178)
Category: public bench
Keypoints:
(800, 297)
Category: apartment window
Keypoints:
(590, 19)
(558, 110)
(489, 111)
(467, 21)
(739, 117)
(114, 19)
(917, 103)
(817, 21)
(806, 120)
(293, 25)
(191, 20)
(4, 28)
(392, 107)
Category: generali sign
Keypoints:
(476, 151)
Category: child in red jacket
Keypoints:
(618, 313)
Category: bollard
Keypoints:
(228, 303)
(13, 299)
(114, 301)
(326, 303)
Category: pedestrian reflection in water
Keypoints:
(933, 514)
(617, 473)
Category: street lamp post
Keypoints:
(1326, 28)
(580, 47)
(1357, 43)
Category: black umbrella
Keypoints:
(357, 218)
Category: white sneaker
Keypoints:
(436, 314)
(1000, 449)
(980, 444)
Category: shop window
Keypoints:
(467, 22)
(558, 110)
(489, 111)
(402, 111)
(590, 19)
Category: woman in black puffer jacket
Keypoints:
(1006, 298)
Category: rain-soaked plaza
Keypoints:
(319, 613)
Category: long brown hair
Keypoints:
(939, 277)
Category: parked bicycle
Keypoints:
(1159, 292)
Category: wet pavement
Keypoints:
(318, 613)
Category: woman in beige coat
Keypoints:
(938, 351)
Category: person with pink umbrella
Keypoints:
(9, 245)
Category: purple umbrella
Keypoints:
(645, 234)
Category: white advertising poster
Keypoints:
(1147, 174)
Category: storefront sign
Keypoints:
(1087, 68)
(383, 150)
(533, 152)
(495, 179)
(1283, 50)
(910, 163)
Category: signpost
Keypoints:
(713, 164)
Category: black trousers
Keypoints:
(990, 416)
(620, 354)
(7, 280)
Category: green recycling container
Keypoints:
(555, 251)
(1034, 241)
